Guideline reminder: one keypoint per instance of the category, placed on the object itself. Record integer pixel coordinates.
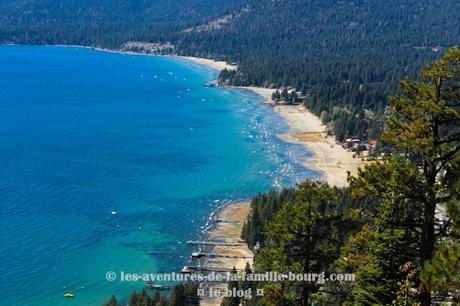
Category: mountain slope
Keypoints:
(349, 55)
(107, 23)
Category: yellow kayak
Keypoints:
(69, 295)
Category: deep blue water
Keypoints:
(84, 133)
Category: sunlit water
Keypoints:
(86, 133)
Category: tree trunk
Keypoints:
(306, 269)
(305, 286)
(428, 234)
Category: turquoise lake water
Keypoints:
(84, 133)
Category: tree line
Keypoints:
(396, 227)
(347, 56)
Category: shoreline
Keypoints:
(216, 65)
(227, 225)
(305, 128)
(329, 158)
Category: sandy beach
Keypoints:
(329, 157)
(229, 223)
(218, 65)
(305, 128)
(266, 93)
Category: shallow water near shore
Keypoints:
(111, 162)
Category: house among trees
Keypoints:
(351, 143)
(288, 96)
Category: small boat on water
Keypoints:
(69, 295)
(152, 285)
(210, 84)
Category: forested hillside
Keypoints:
(105, 23)
(346, 55)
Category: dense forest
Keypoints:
(346, 56)
(396, 227)
(181, 295)
(102, 23)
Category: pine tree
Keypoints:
(144, 298)
(134, 299)
(423, 128)
(246, 284)
(112, 302)
(302, 238)
(442, 272)
(156, 297)
(191, 294)
(232, 284)
(163, 301)
(178, 296)
(285, 94)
